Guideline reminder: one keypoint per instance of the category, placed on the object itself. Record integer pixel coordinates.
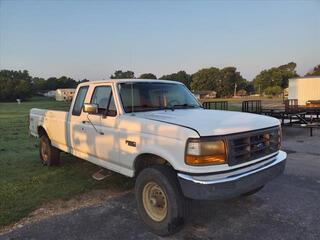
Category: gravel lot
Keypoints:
(287, 208)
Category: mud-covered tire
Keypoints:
(247, 194)
(49, 155)
(165, 180)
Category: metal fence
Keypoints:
(252, 106)
(217, 105)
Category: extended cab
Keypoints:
(157, 132)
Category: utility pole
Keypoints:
(235, 89)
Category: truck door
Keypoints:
(78, 135)
(101, 128)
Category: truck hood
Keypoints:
(212, 122)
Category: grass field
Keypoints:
(24, 183)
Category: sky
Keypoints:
(92, 39)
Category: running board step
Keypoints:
(101, 174)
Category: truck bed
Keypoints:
(55, 123)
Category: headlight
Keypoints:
(201, 152)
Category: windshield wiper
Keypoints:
(185, 106)
(144, 108)
(167, 108)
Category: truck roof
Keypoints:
(128, 80)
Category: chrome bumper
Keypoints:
(233, 183)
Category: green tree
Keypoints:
(276, 76)
(314, 72)
(148, 76)
(249, 88)
(19, 84)
(38, 85)
(52, 83)
(15, 84)
(119, 74)
(287, 71)
(206, 79)
(222, 81)
(274, 91)
(230, 79)
(66, 82)
(180, 76)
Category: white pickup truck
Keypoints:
(157, 132)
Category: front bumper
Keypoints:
(232, 184)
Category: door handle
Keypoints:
(84, 122)
(131, 143)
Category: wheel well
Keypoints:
(146, 160)
(41, 131)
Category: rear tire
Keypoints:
(160, 201)
(49, 155)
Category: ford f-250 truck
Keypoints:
(157, 132)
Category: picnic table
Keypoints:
(298, 116)
(286, 114)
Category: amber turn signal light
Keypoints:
(205, 160)
(201, 152)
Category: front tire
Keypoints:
(49, 155)
(160, 202)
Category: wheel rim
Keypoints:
(155, 201)
(44, 151)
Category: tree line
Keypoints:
(20, 85)
(224, 81)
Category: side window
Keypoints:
(112, 111)
(102, 96)
(77, 107)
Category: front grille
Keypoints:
(252, 145)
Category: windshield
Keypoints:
(150, 96)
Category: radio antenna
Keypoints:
(132, 105)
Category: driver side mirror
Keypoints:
(90, 108)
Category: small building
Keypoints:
(241, 93)
(205, 94)
(65, 94)
(304, 89)
(51, 93)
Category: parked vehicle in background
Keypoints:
(51, 93)
(157, 132)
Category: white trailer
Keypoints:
(304, 89)
(65, 94)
